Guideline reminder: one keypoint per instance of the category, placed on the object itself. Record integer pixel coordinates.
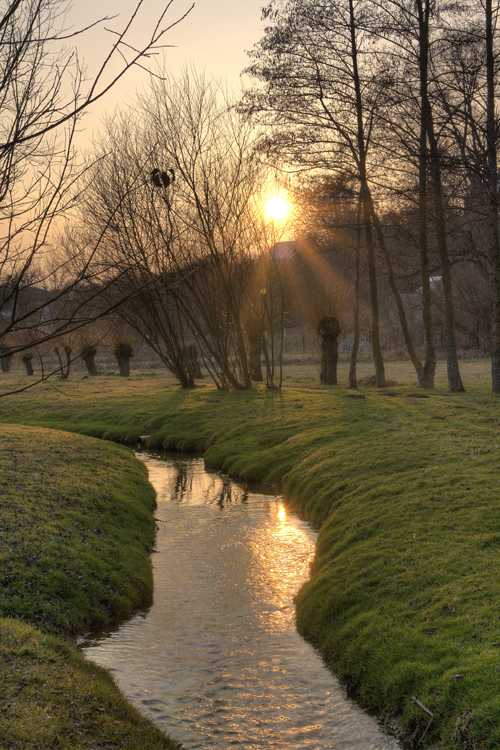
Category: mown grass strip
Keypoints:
(403, 600)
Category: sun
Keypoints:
(277, 207)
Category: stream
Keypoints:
(216, 662)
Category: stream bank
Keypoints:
(216, 661)
(76, 531)
(403, 595)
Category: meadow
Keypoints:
(404, 486)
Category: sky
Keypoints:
(213, 37)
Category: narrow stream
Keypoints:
(217, 662)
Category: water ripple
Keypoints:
(217, 662)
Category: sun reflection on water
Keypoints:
(282, 554)
(217, 660)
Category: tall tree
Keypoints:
(466, 91)
(317, 101)
(491, 12)
(434, 162)
(410, 39)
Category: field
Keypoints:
(299, 367)
(403, 598)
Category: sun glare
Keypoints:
(281, 513)
(277, 208)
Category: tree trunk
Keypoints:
(64, 366)
(192, 361)
(493, 213)
(247, 380)
(454, 379)
(57, 352)
(269, 360)
(240, 342)
(329, 331)
(353, 383)
(123, 352)
(375, 313)
(124, 366)
(28, 363)
(88, 356)
(397, 297)
(6, 362)
(254, 357)
(67, 367)
(430, 347)
(364, 193)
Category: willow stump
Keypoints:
(123, 352)
(329, 331)
(88, 355)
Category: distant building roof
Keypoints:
(434, 281)
(282, 250)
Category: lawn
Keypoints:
(403, 599)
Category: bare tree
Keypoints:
(415, 30)
(43, 94)
(179, 215)
(491, 15)
(467, 95)
(314, 92)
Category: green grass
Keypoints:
(404, 597)
(76, 530)
(53, 698)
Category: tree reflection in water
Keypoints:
(217, 661)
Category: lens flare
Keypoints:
(277, 208)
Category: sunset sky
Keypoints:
(213, 38)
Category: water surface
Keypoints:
(217, 662)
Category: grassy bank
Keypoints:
(403, 600)
(76, 530)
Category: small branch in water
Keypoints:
(424, 708)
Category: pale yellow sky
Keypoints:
(213, 37)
